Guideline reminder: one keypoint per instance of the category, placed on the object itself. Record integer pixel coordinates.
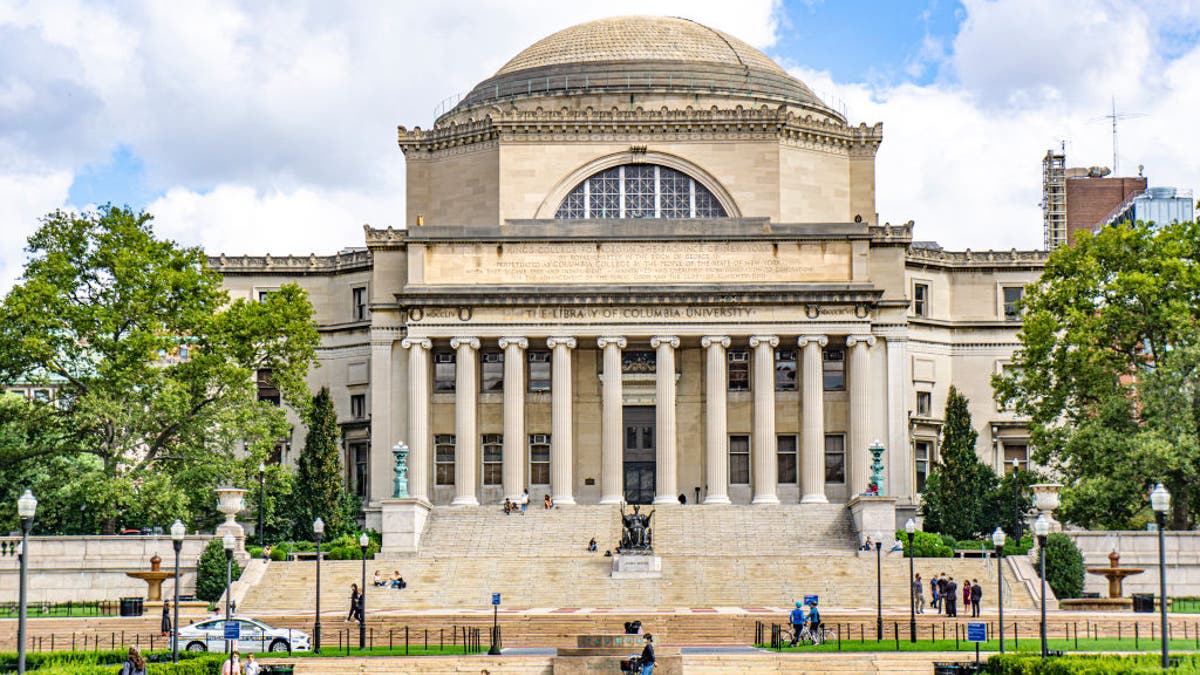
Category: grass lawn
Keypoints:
(1032, 644)
(52, 612)
(1185, 606)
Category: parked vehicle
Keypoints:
(255, 636)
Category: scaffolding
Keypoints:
(1054, 199)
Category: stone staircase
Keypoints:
(713, 556)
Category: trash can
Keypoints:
(955, 669)
(131, 607)
(281, 669)
(1143, 602)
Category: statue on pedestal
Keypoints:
(875, 485)
(400, 482)
(635, 531)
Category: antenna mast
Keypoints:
(1114, 117)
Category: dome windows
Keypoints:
(640, 191)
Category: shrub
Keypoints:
(255, 552)
(1024, 664)
(926, 544)
(948, 541)
(210, 572)
(1014, 547)
(1064, 566)
(279, 553)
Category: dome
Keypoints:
(643, 54)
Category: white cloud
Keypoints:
(24, 199)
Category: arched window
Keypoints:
(640, 191)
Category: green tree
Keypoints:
(154, 368)
(1107, 372)
(210, 572)
(959, 495)
(319, 492)
(1064, 566)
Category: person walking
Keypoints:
(232, 665)
(976, 596)
(648, 656)
(966, 593)
(918, 587)
(355, 604)
(935, 589)
(165, 626)
(525, 501)
(796, 618)
(134, 663)
(252, 667)
(951, 598)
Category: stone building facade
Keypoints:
(643, 261)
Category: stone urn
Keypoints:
(1045, 499)
(231, 501)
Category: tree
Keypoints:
(1107, 372)
(153, 365)
(959, 494)
(1064, 566)
(318, 492)
(210, 572)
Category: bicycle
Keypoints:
(819, 636)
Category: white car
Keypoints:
(256, 636)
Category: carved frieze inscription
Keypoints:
(635, 314)
(636, 263)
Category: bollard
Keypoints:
(427, 639)
(406, 640)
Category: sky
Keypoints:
(257, 126)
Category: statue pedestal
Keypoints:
(636, 566)
(403, 521)
(873, 514)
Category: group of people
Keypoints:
(396, 581)
(234, 665)
(944, 592)
(510, 507)
(798, 618)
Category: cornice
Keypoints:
(291, 264)
(862, 296)
(930, 257)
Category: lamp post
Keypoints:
(1160, 501)
(1041, 528)
(1016, 499)
(998, 541)
(878, 586)
(363, 542)
(26, 508)
(262, 485)
(319, 531)
(909, 528)
(178, 531)
(228, 543)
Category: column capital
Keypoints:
(508, 340)
(803, 340)
(671, 341)
(852, 340)
(468, 342)
(717, 340)
(418, 343)
(607, 340)
(568, 342)
(772, 340)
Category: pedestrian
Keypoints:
(166, 619)
(918, 587)
(648, 656)
(796, 618)
(266, 553)
(355, 604)
(951, 597)
(525, 501)
(935, 592)
(976, 596)
(232, 665)
(252, 666)
(134, 663)
(966, 593)
(547, 502)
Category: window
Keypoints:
(263, 295)
(492, 371)
(358, 454)
(443, 457)
(358, 406)
(539, 371)
(786, 458)
(785, 370)
(267, 391)
(739, 460)
(539, 459)
(922, 455)
(1019, 452)
(833, 369)
(924, 404)
(921, 299)
(41, 395)
(640, 191)
(1012, 298)
(493, 459)
(739, 369)
(443, 371)
(835, 458)
(359, 301)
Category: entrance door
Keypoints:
(639, 454)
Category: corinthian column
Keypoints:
(899, 473)
(611, 478)
(514, 416)
(766, 472)
(716, 412)
(466, 441)
(561, 455)
(664, 418)
(859, 362)
(418, 416)
(812, 413)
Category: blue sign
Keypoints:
(495, 598)
(810, 600)
(233, 630)
(976, 632)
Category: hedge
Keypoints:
(1025, 664)
(926, 544)
(107, 661)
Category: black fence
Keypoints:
(51, 609)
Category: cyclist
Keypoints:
(797, 620)
(814, 621)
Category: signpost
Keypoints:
(810, 599)
(233, 631)
(495, 649)
(977, 633)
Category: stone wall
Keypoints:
(1140, 549)
(93, 567)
